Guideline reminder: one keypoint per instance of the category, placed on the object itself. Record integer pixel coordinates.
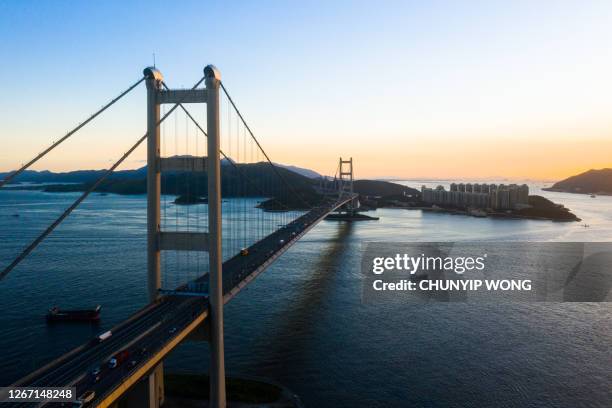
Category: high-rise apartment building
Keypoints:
(496, 197)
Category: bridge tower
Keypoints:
(345, 185)
(158, 240)
(345, 171)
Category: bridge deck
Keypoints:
(150, 334)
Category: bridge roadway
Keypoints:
(151, 333)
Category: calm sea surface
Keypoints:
(302, 322)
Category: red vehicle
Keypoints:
(119, 358)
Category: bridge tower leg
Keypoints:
(217, 363)
(346, 182)
(154, 78)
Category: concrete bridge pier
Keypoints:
(148, 393)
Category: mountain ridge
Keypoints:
(251, 179)
(593, 181)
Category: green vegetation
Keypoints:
(379, 194)
(187, 199)
(544, 208)
(350, 217)
(382, 188)
(540, 208)
(274, 204)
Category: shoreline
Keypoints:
(268, 205)
(488, 215)
(559, 190)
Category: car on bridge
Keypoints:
(104, 336)
(86, 398)
(95, 374)
(119, 358)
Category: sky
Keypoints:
(409, 89)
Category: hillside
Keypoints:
(300, 170)
(247, 180)
(191, 188)
(544, 208)
(78, 176)
(589, 182)
(381, 188)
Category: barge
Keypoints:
(88, 315)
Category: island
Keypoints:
(477, 200)
(190, 198)
(540, 208)
(593, 182)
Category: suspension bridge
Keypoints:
(197, 259)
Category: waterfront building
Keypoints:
(484, 196)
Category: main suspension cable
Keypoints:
(83, 196)
(73, 131)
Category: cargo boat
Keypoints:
(58, 315)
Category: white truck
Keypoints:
(104, 336)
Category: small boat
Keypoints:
(586, 225)
(593, 196)
(88, 315)
(477, 212)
